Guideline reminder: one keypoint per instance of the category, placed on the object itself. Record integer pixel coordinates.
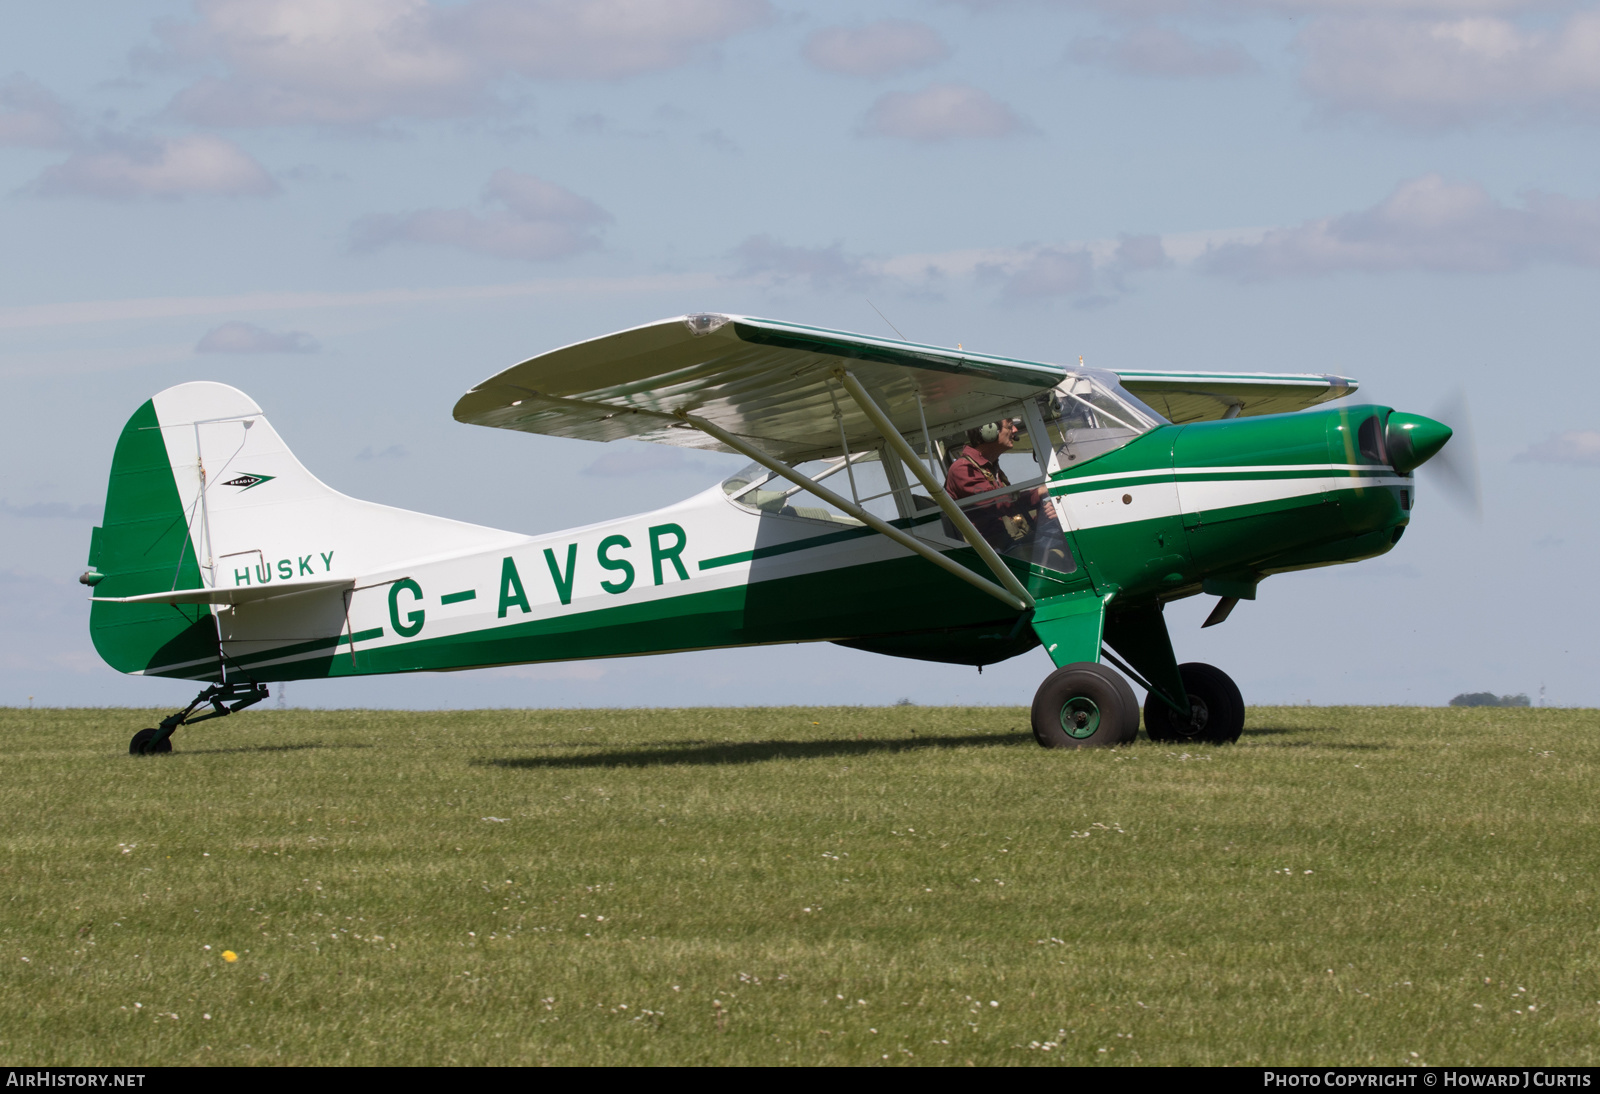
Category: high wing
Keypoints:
(1205, 396)
(772, 383)
(776, 384)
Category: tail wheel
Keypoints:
(1084, 706)
(140, 745)
(1216, 709)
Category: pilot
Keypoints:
(1007, 520)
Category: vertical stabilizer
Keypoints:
(144, 546)
(205, 495)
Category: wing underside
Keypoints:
(772, 383)
(1204, 396)
(778, 385)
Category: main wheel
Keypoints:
(1216, 709)
(140, 745)
(1084, 706)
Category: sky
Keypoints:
(356, 211)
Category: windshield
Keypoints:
(1090, 413)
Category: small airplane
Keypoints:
(903, 499)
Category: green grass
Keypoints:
(904, 885)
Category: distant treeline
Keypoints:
(1489, 699)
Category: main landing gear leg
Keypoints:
(224, 699)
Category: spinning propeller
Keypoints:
(1455, 469)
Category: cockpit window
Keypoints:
(995, 466)
(1090, 413)
(754, 487)
(863, 479)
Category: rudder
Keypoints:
(143, 546)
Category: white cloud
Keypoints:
(1578, 447)
(309, 61)
(764, 259)
(1160, 51)
(941, 112)
(1034, 272)
(533, 198)
(1427, 223)
(526, 217)
(876, 49)
(1445, 71)
(80, 312)
(359, 62)
(31, 116)
(1047, 271)
(1232, 9)
(1393, 7)
(596, 39)
(1141, 252)
(1091, 273)
(1087, 273)
(237, 337)
(161, 167)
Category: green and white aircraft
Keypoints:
(222, 559)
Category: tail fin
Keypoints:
(204, 495)
(143, 546)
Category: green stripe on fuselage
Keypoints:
(1242, 474)
(893, 596)
(807, 544)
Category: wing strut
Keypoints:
(1022, 603)
(935, 488)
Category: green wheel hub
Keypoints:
(1080, 717)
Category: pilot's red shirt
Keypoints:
(972, 473)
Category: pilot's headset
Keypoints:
(987, 433)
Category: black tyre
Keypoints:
(1084, 706)
(140, 745)
(1216, 709)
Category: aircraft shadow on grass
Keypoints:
(752, 752)
(263, 748)
(1317, 740)
(1344, 747)
(1279, 731)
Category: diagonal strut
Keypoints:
(908, 457)
(877, 524)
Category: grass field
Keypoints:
(905, 885)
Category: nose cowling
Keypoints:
(1412, 440)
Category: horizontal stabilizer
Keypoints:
(246, 594)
